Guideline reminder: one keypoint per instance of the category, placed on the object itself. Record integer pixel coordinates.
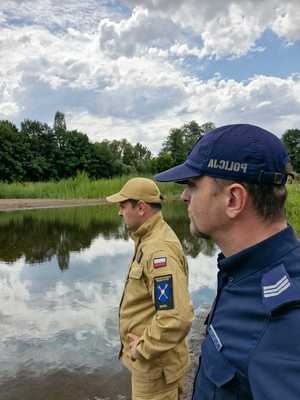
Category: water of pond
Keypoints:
(61, 280)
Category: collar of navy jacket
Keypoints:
(257, 257)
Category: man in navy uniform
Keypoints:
(235, 193)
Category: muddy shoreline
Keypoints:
(27, 204)
(7, 205)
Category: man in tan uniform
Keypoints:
(155, 310)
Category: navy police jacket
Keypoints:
(252, 346)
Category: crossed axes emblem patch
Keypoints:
(163, 292)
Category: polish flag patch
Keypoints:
(159, 262)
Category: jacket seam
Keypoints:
(259, 340)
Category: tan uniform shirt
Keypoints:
(162, 327)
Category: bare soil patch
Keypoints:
(24, 204)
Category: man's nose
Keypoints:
(185, 196)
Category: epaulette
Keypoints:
(278, 289)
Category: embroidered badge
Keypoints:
(140, 256)
(163, 292)
(215, 338)
(159, 262)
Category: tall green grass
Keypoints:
(173, 211)
(293, 206)
(80, 187)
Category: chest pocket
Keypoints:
(137, 290)
(136, 271)
(216, 379)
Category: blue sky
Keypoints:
(135, 69)
(277, 59)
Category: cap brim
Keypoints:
(180, 174)
(116, 198)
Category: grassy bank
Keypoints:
(80, 187)
(108, 215)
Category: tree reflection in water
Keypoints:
(59, 332)
(40, 235)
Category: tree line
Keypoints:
(38, 152)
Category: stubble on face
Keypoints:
(128, 213)
(200, 196)
(196, 233)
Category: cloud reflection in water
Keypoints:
(54, 319)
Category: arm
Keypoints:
(274, 367)
(168, 285)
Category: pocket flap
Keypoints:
(216, 366)
(136, 271)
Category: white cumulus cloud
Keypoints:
(287, 21)
(229, 28)
(134, 69)
(136, 34)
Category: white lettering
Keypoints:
(222, 164)
(211, 163)
(227, 165)
(236, 166)
(231, 166)
(244, 167)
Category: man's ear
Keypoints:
(237, 197)
(141, 205)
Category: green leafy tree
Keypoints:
(193, 131)
(163, 161)
(291, 139)
(142, 159)
(179, 143)
(104, 164)
(174, 146)
(75, 154)
(59, 122)
(41, 159)
(13, 148)
(37, 152)
(124, 154)
(59, 127)
(128, 153)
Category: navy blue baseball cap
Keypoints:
(239, 152)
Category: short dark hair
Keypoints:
(155, 206)
(268, 200)
(133, 202)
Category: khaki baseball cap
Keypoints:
(137, 189)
